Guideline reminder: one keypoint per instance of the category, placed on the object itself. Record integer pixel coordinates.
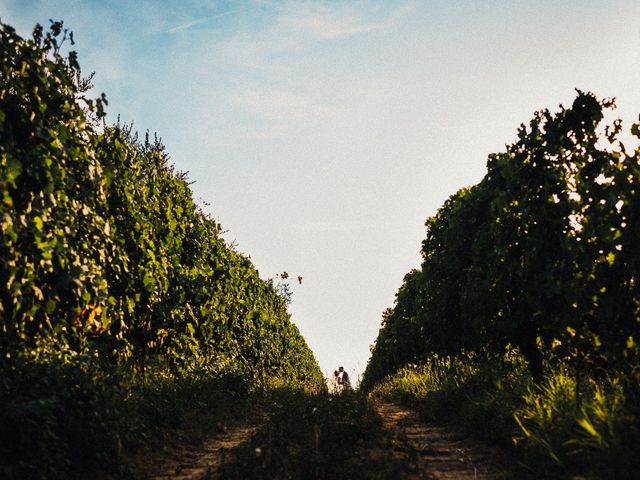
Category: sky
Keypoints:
(322, 134)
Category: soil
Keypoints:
(409, 448)
(199, 461)
(430, 451)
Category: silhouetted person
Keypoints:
(344, 379)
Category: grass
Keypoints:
(471, 394)
(597, 437)
(63, 421)
(550, 434)
(66, 421)
(316, 436)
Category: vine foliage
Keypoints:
(542, 254)
(104, 252)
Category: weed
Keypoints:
(63, 420)
(549, 434)
(316, 436)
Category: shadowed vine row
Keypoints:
(536, 267)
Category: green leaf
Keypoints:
(588, 427)
(14, 169)
(191, 329)
(611, 257)
(50, 306)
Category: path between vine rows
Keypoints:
(430, 451)
(426, 451)
(199, 461)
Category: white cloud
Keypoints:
(279, 105)
(340, 21)
(198, 21)
(341, 226)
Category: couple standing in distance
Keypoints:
(340, 380)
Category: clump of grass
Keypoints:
(595, 437)
(315, 436)
(547, 417)
(62, 420)
(474, 393)
(550, 432)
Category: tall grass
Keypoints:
(595, 436)
(473, 393)
(550, 432)
(66, 420)
(317, 436)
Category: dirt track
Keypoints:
(433, 452)
(420, 451)
(196, 462)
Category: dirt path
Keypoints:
(432, 452)
(200, 461)
(405, 448)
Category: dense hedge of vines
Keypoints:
(104, 252)
(542, 254)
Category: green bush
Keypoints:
(471, 392)
(104, 250)
(122, 308)
(542, 254)
(550, 432)
(67, 420)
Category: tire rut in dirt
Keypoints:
(434, 452)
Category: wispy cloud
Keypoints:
(330, 23)
(198, 21)
(273, 104)
(338, 226)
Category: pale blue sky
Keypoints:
(322, 134)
